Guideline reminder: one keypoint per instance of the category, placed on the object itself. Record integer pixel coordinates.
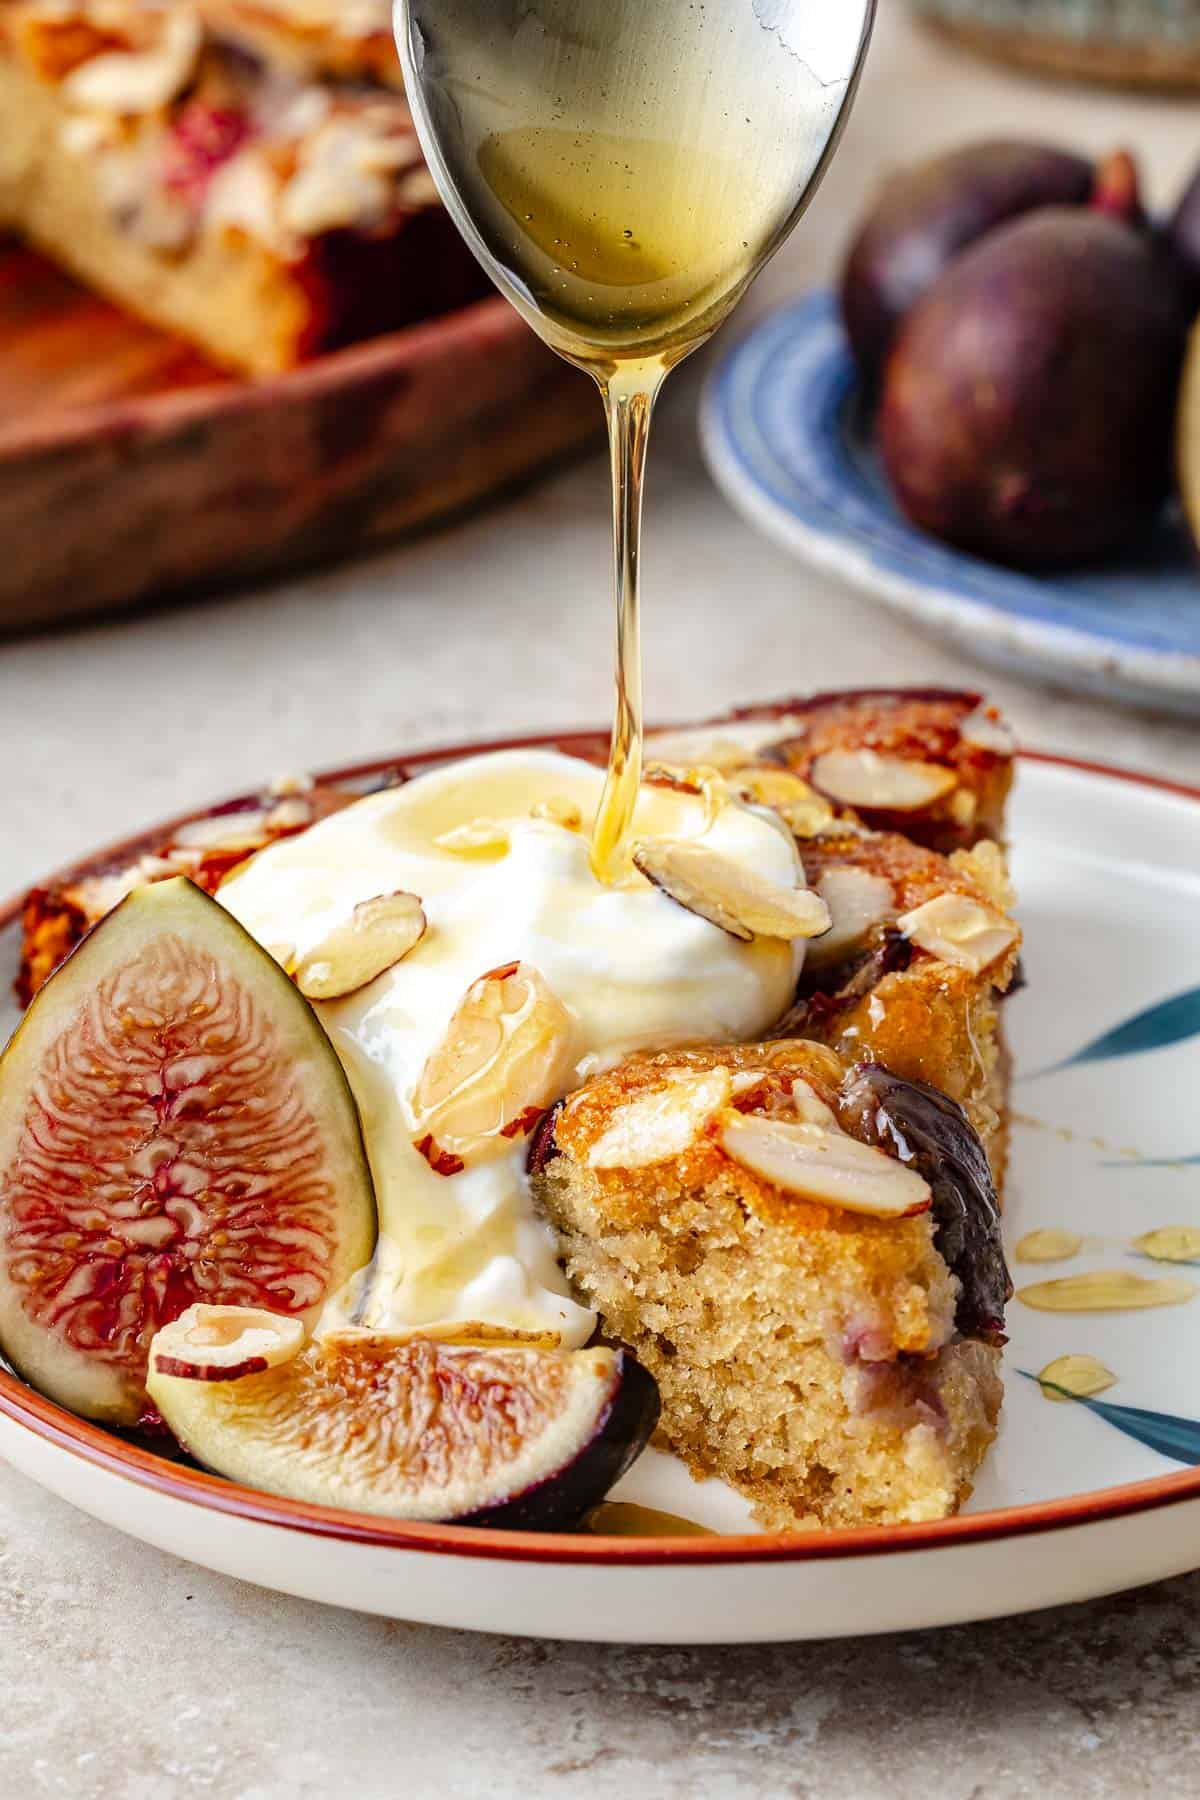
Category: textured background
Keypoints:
(125, 1673)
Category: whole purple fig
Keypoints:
(926, 215)
(1183, 237)
(1028, 402)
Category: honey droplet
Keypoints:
(1080, 1376)
(1048, 1245)
(621, 1518)
(1106, 1290)
(1171, 1243)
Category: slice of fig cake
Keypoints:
(801, 1239)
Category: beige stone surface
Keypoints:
(126, 1673)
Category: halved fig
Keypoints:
(419, 1428)
(174, 1127)
(501, 1063)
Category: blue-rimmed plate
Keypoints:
(1077, 1498)
(788, 440)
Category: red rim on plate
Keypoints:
(93, 1444)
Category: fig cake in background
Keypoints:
(245, 176)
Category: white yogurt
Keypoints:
(633, 969)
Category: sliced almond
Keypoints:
(225, 833)
(805, 812)
(720, 747)
(558, 811)
(865, 778)
(717, 889)
(661, 1125)
(477, 837)
(373, 939)
(223, 1343)
(984, 864)
(452, 1331)
(502, 1062)
(857, 902)
(771, 1094)
(963, 807)
(291, 814)
(284, 787)
(987, 729)
(828, 1166)
(676, 778)
(959, 930)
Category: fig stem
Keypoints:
(1116, 189)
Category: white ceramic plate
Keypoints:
(1076, 1500)
(790, 442)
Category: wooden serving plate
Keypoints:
(131, 468)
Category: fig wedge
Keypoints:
(423, 1428)
(175, 1127)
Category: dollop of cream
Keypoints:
(634, 970)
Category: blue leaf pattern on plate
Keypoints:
(1171, 1021)
(1153, 1162)
(1169, 1435)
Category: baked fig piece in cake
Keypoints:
(265, 217)
(820, 1302)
